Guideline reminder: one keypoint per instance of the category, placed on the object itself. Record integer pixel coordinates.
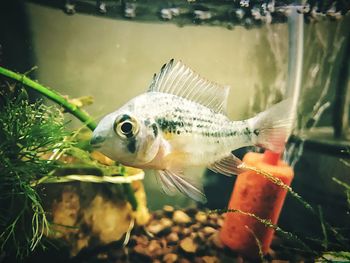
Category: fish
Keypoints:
(180, 122)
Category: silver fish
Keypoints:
(180, 122)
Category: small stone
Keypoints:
(170, 258)
(153, 245)
(168, 208)
(166, 222)
(209, 230)
(213, 216)
(102, 256)
(143, 240)
(157, 226)
(201, 217)
(212, 223)
(181, 217)
(184, 260)
(220, 222)
(215, 239)
(198, 260)
(173, 237)
(195, 227)
(186, 231)
(188, 245)
(176, 229)
(210, 259)
(141, 249)
(201, 236)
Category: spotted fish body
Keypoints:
(179, 123)
(195, 134)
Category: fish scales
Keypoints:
(200, 133)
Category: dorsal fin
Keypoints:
(178, 79)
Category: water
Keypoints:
(113, 60)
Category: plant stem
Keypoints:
(71, 108)
(52, 95)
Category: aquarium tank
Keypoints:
(174, 131)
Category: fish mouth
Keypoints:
(96, 141)
(96, 146)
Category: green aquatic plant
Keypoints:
(72, 108)
(28, 131)
(33, 137)
(52, 95)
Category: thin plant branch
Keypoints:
(52, 95)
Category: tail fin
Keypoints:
(273, 126)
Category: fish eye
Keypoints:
(125, 126)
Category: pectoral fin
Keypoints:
(227, 166)
(174, 180)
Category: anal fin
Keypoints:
(229, 166)
(172, 181)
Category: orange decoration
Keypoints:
(255, 194)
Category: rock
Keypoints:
(154, 248)
(143, 240)
(195, 227)
(141, 249)
(107, 219)
(185, 232)
(188, 245)
(201, 236)
(173, 237)
(209, 230)
(170, 258)
(220, 222)
(201, 217)
(210, 259)
(184, 260)
(215, 239)
(213, 216)
(176, 229)
(181, 217)
(168, 208)
(165, 222)
(157, 226)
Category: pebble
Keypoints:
(173, 237)
(188, 245)
(182, 237)
(209, 230)
(210, 259)
(196, 227)
(166, 222)
(168, 208)
(215, 239)
(220, 222)
(181, 217)
(157, 226)
(201, 217)
(170, 258)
